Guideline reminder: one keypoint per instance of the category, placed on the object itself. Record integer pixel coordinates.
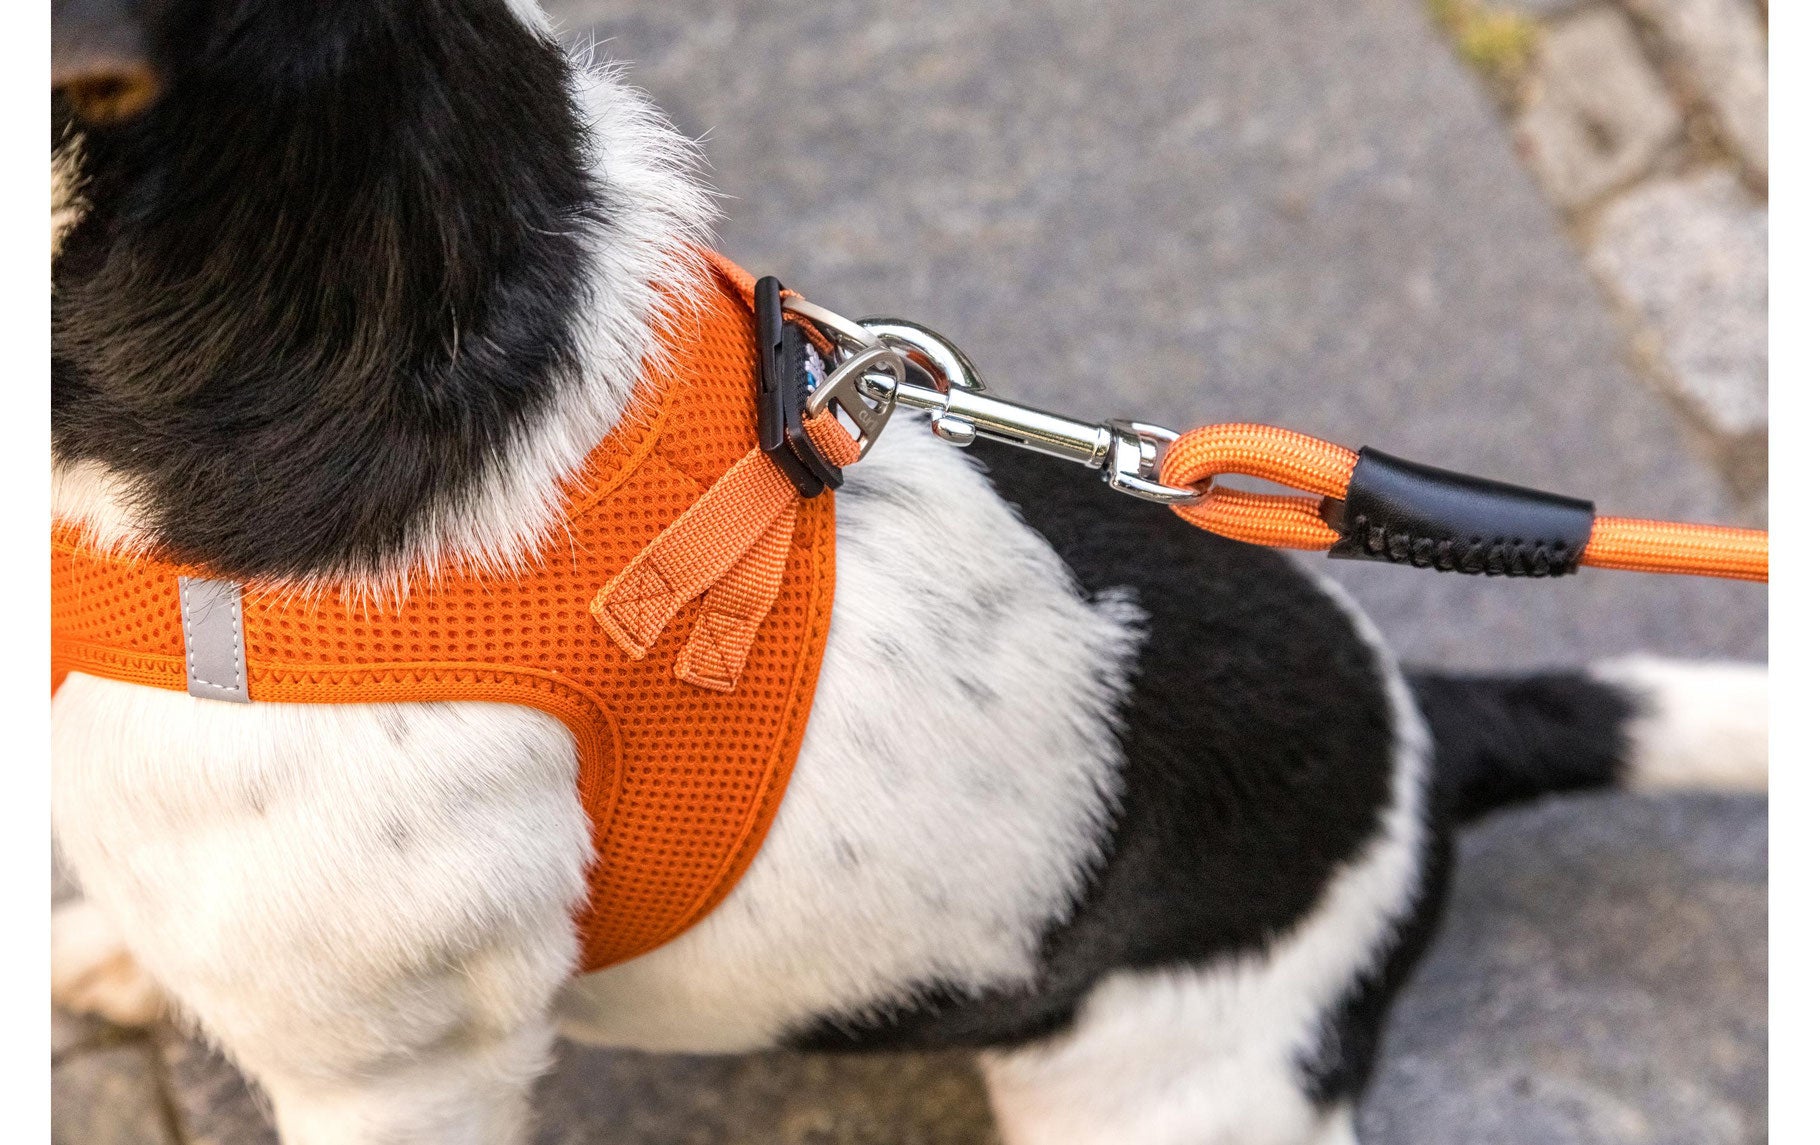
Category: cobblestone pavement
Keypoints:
(1311, 214)
(1646, 123)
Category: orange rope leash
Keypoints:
(1325, 470)
(1671, 547)
(1264, 451)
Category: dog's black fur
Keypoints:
(1259, 750)
(1259, 753)
(328, 277)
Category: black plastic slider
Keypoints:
(1406, 513)
(782, 386)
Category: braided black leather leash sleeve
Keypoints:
(1404, 512)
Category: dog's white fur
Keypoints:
(369, 907)
(533, 15)
(66, 191)
(93, 972)
(1704, 725)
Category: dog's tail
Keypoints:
(1638, 723)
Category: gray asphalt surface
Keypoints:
(1298, 212)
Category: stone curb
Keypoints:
(1645, 122)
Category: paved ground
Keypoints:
(1601, 980)
(1297, 212)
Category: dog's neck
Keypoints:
(340, 334)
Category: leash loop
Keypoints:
(1294, 460)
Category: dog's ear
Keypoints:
(100, 58)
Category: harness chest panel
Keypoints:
(680, 782)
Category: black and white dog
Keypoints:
(346, 287)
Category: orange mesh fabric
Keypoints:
(680, 778)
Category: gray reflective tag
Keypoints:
(214, 642)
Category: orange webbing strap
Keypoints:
(729, 548)
(1325, 470)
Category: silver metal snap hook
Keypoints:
(1127, 453)
(963, 411)
(882, 364)
(945, 363)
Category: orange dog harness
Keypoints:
(675, 624)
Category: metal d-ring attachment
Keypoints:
(863, 385)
